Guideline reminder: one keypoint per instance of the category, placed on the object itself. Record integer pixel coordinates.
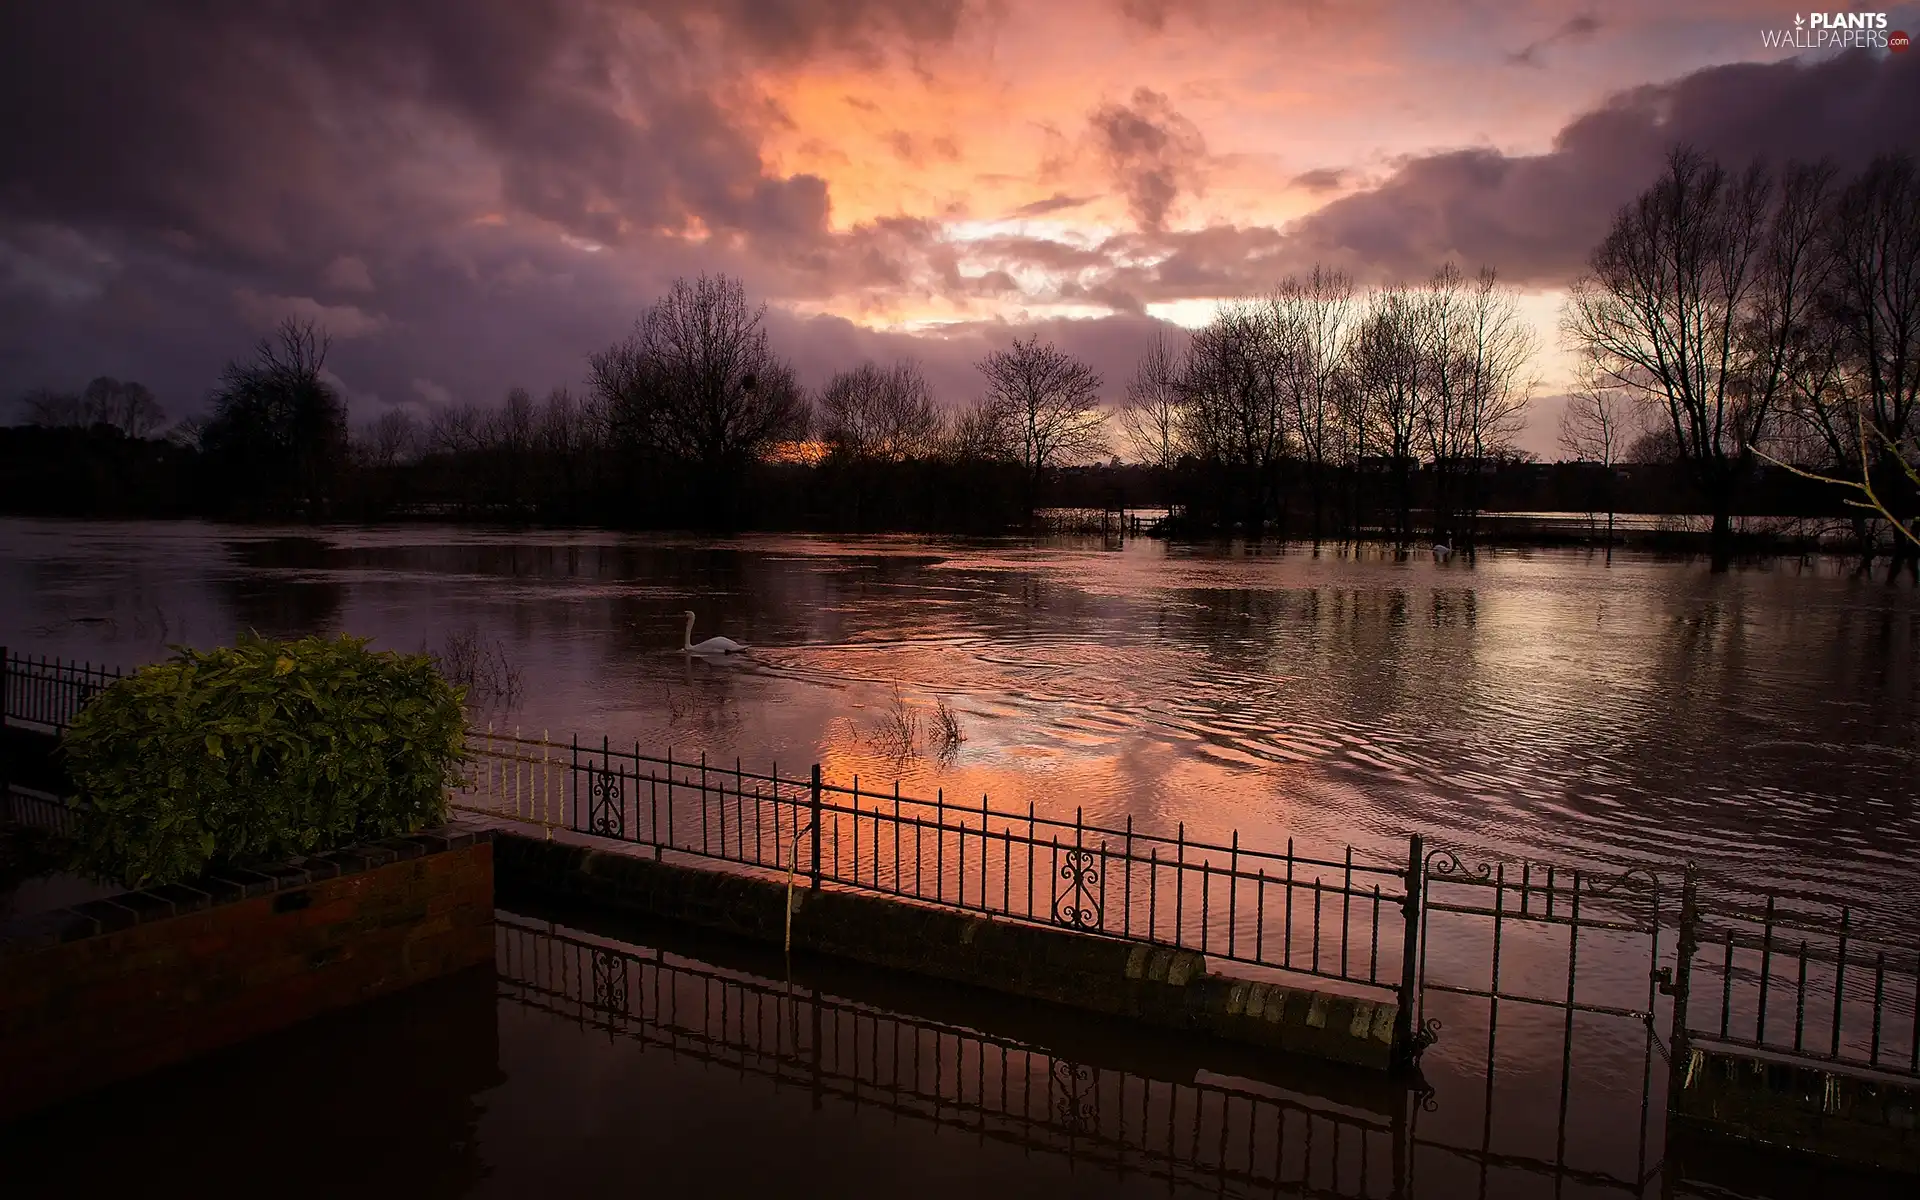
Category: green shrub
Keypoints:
(260, 752)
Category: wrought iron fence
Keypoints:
(1577, 944)
(1753, 972)
(1342, 918)
(1778, 975)
(47, 693)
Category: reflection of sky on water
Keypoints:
(1533, 703)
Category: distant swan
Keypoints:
(1443, 549)
(713, 645)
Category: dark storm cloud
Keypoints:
(1321, 179)
(1536, 217)
(175, 174)
(1576, 29)
(1153, 152)
(249, 127)
(1058, 202)
(238, 160)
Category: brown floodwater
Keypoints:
(1527, 704)
(599, 1059)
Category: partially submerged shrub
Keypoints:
(259, 752)
(946, 729)
(482, 669)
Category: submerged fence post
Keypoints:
(814, 874)
(1679, 1043)
(1403, 1033)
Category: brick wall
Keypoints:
(113, 988)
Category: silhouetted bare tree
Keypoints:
(1390, 369)
(1311, 317)
(1235, 415)
(1692, 300)
(697, 379)
(1598, 424)
(126, 406)
(983, 432)
(1855, 366)
(390, 439)
(278, 433)
(456, 429)
(1049, 402)
(1152, 417)
(1489, 389)
(880, 414)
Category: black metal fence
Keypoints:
(1812, 982)
(1342, 918)
(1574, 945)
(1770, 975)
(45, 693)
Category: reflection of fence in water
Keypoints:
(1470, 1138)
(950, 1075)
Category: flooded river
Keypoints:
(1542, 704)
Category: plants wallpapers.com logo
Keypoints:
(1837, 31)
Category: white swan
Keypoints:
(1444, 549)
(713, 645)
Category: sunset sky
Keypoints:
(472, 194)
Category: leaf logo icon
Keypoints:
(1798, 20)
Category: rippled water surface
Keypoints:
(1530, 703)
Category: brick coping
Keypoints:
(36, 931)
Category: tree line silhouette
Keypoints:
(1737, 331)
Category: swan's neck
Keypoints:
(686, 639)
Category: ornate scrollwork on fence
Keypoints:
(1443, 863)
(1077, 903)
(1608, 884)
(1619, 889)
(1075, 1099)
(1426, 1096)
(1426, 1035)
(609, 983)
(606, 804)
